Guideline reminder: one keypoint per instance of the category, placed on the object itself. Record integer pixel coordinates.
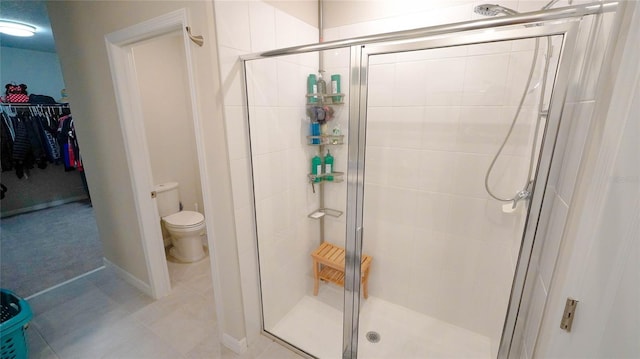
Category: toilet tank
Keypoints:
(167, 198)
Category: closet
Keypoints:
(41, 161)
(49, 232)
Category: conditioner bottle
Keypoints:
(316, 168)
(328, 166)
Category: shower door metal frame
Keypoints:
(356, 169)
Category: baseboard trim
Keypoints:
(235, 345)
(129, 278)
(40, 206)
(63, 283)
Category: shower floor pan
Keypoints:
(316, 327)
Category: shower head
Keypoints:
(493, 10)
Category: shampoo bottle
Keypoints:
(316, 168)
(328, 166)
(315, 131)
(322, 88)
(335, 88)
(312, 88)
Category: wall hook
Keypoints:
(199, 40)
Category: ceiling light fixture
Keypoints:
(16, 28)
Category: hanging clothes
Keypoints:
(6, 141)
(37, 148)
(47, 133)
(69, 144)
(21, 147)
(37, 135)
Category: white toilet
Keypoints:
(185, 228)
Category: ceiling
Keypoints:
(32, 12)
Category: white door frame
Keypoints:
(127, 94)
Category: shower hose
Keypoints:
(524, 193)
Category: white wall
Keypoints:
(280, 158)
(40, 71)
(164, 91)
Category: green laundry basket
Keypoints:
(14, 319)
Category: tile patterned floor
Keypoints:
(102, 316)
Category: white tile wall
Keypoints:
(444, 90)
(485, 80)
(264, 77)
(440, 128)
(552, 241)
(237, 126)
(262, 24)
(582, 113)
(233, 26)
(533, 321)
(242, 186)
(231, 86)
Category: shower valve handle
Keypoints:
(522, 195)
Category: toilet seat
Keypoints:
(184, 220)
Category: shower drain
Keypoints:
(373, 337)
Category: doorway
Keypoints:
(431, 263)
(152, 67)
(168, 123)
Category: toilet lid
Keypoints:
(184, 218)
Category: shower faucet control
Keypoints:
(312, 180)
(522, 195)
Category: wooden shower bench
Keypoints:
(328, 265)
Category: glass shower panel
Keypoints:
(443, 249)
(296, 212)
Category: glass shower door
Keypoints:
(296, 213)
(450, 136)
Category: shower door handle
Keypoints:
(359, 245)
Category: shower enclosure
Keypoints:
(413, 132)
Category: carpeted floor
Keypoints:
(41, 249)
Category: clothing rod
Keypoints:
(519, 19)
(34, 105)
